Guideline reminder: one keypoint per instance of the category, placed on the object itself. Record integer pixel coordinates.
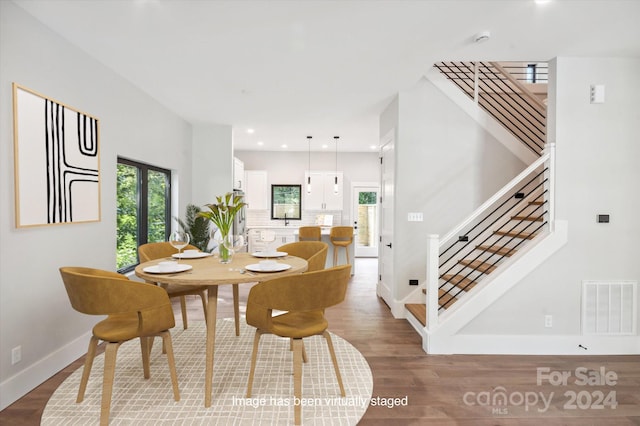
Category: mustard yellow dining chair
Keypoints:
(309, 233)
(304, 297)
(153, 251)
(133, 309)
(314, 252)
(341, 237)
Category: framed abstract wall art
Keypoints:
(56, 161)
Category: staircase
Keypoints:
(513, 93)
(458, 275)
(510, 220)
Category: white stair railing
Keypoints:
(435, 244)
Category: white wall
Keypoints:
(289, 168)
(212, 162)
(597, 173)
(34, 310)
(446, 166)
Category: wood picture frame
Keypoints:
(56, 161)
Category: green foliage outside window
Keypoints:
(367, 198)
(127, 216)
(142, 209)
(157, 201)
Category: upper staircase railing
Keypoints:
(504, 90)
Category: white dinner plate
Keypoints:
(194, 255)
(269, 254)
(278, 267)
(155, 269)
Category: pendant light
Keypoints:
(336, 189)
(309, 172)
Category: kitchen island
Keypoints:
(287, 234)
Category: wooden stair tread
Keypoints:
(530, 218)
(502, 251)
(418, 310)
(446, 299)
(522, 235)
(478, 265)
(459, 281)
(536, 203)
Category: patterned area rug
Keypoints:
(150, 402)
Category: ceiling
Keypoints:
(289, 69)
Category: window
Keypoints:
(144, 206)
(285, 202)
(532, 73)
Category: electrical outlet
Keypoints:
(16, 355)
(548, 321)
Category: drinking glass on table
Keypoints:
(267, 236)
(179, 240)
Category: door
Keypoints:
(385, 248)
(365, 212)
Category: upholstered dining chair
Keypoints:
(309, 233)
(153, 251)
(133, 309)
(341, 237)
(304, 297)
(314, 252)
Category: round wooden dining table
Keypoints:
(210, 273)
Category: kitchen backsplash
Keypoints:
(256, 218)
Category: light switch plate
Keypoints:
(415, 217)
(597, 94)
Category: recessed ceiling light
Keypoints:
(284, 145)
(542, 1)
(250, 131)
(373, 147)
(325, 146)
(260, 143)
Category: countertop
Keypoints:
(324, 231)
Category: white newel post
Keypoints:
(550, 148)
(433, 251)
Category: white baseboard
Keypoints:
(534, 345)
(18, 385)
(396, 307)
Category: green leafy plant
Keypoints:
(222, 214)
(196, 226)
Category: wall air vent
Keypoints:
(609, 307)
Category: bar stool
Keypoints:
(341, 236)
(309, 233)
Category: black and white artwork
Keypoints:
(57, 161)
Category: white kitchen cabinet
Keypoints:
(285, 236)
(254, 241)
(238, 174)
(257, 190)
(282, 236)
(322, 196)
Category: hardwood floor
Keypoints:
(437, 389)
